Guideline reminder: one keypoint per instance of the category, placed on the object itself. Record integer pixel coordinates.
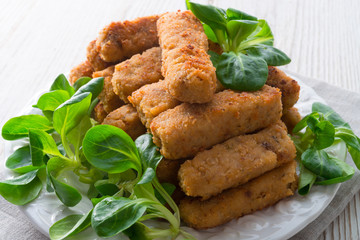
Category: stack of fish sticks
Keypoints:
(228, 152)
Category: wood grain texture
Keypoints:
(40, 39)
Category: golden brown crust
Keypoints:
(291, 117)
(187, 129)
(257, 194)
(84, 69)
(107, 96)
(289, 88)
(167, 171)
(139, 70)
(236, 161)
(187, 68)
(127, 119)
(99, 114)
(121, 40)
(151, 100)
(94, 58)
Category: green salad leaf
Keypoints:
(20, 161)
(22, 189)
(321, 148)
(61, 83)
(70, 225)
(110, 149)
(242, 72)
(81, 82)
(247, 44)
(113, 215)
(18, 127)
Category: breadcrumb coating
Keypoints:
(236, 161)
(121, 40)
(139, 70)
(233, 203)
(187, 67)
(84, 69)
(127, 119)
(187, 129)
(107, 96)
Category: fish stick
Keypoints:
(84, 69)
(127, 119)
(257, 194)
(99, 114)
(94, 58)
(167, 171)
(151, 100)
(236, 161)
(289, 87)
(121, 40)
(139, 70)
(187, 129)
(107, 96)
(187, 67)
(291, 118)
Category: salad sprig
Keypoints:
(322, 148)
(66, 146)
(247, 44)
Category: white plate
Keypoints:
(280, 221)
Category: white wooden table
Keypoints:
(41, 38)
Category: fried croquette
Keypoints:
(84, 69)
(257, 194)
(236, 161)
(107, 96)
(291, 117)
(94, 58)
(139, 70)
(167, 171)
(187, 129)
(99, 114)
(127, 119)
(151, 100)
(289, 87)
(121, 40)
(187, 68)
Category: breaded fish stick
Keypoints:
(99, 113)
(94, 58)
(257, 194)
(139, 70)
(107, 96)
(289, 88)
(187, 129)
(236, 161)
(187, 68)
(151, 100)
(291, 117)
(167, 171)
(127, 119)
(84, 69)
(121, 40)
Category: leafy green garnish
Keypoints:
(18, 127)
(110, 149)
(22, 189)
(70, 226)
(321, 148)
(247, 43)
(119, 172)
(20, 161)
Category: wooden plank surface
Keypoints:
(41, 38)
